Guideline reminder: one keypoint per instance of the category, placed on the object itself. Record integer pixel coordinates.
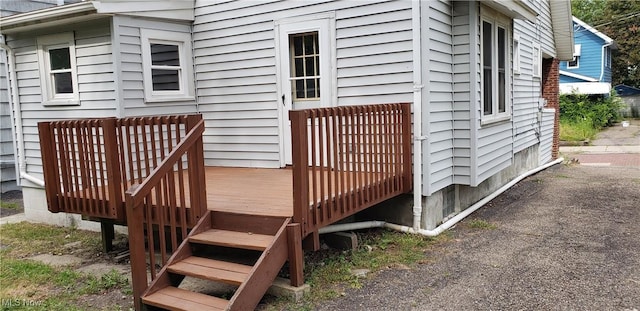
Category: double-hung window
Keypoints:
(167, 72)
(495, 69)
(58, 78)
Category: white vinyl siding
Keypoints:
(439, 98)
(546, 131)
(130, 63)
(7, 159)
(96, 83)
(235, 64)
(526, 91)
(461, 93)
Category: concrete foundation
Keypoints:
(36, 210)
(451, 200)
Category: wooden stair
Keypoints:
(205, 255)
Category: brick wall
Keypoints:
(551, 92)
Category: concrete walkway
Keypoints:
(615, 146)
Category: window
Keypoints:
(495, 57)
(607, 57)
(574, 63)
(167, 72)
(305, 66)
(57, 61)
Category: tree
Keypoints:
(620, 20)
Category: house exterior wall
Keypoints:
(96, 83)
(8, 180)
(235, 64)
(129, 64)
(438, 96)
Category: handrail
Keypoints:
(154, 204)
(346, 159)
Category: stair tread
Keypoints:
(236, 239)
(173, 298)
(211, 269)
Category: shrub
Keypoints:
(599, 111)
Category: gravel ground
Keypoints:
(564, 239)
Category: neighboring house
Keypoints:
(8, 167)
(589, 72)
(479, 75)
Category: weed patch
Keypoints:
(481, 224)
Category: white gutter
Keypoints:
(604, 47)
(417, 115)
(14, 104)
(55, 12)
(445, 225)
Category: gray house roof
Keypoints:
(82, 11)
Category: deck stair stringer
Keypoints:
(267, 237)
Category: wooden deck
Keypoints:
(254, 191)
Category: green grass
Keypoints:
(30, 285)
(577, 131)
(9, 205)
(480, 224)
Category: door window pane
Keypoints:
(305, 64)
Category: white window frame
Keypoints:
(49, 96)
(496, 116)
(185, 71)
(576, 58)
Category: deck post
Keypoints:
(296, 258)
(112, 162)
(135, 217)
(406, 147)
(50, 165)
(299, 156)
(196, 170)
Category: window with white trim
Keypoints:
(574, 63)
(58, 76)
(167, 66)
(495, 69)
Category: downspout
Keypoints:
(445, 225)
(417, 115)
(16, 114)
(603, 60)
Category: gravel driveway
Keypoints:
(567, 238)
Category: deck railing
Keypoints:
(79, 164)
(163, 205)
(346, 159)
(90, 163)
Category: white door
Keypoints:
(305, 70)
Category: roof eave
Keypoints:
(562, 24)
(17, 22)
